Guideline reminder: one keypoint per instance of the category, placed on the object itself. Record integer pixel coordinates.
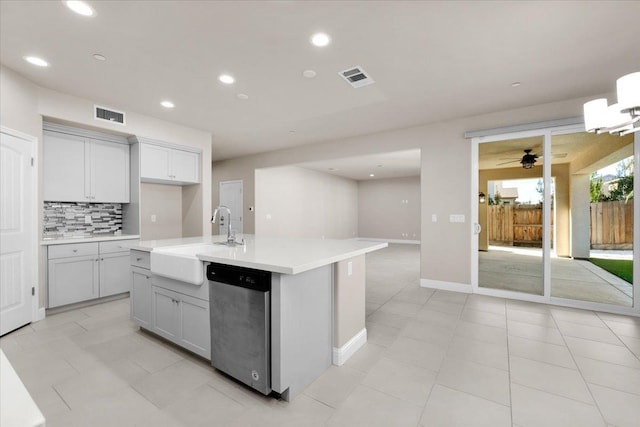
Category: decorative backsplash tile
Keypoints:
(67, 219)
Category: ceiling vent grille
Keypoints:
(113, 116)
(356, 77)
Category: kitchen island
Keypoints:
(316, 305)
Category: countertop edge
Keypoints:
(65, 241)
(293, 269)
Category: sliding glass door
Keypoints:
(555, 213)
(595, 218)
(511, 215)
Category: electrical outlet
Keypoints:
(434, 218)
(153, 218)
(456, 218)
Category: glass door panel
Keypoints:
(593, 201)
(510, 175)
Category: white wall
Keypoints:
(445, 247)
(297, 202)
(389, 208)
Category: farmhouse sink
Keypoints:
(180, 263)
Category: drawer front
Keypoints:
(141, 259)
(73, 249)
(113, 246)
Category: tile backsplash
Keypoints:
(68, 219)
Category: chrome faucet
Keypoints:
(231, 238)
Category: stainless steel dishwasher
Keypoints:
(240, 323)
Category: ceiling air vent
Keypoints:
(356, 77)
(112, 116)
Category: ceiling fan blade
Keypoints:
(510, 158)
(505, 163)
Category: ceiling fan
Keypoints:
(529, 159)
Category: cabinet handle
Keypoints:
(138, 259)
(101, 259)
(97, 259)
(146, 277)
(75, 250)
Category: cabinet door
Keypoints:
(72, 280)
(194, 333)
(115, 274)
(165, 308)
(64, 168)
(109, 172)
(185, 166)
(140, 299)
(155, 162)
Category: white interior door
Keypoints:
(17, 232)
(231, 197)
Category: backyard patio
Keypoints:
(520, 270)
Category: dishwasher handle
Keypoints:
(257, 280)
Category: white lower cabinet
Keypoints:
(140, 298)
(181, 319)
(73, 279)
(83, 271)
(114, 274)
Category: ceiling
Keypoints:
(385, 165)
(431, 61)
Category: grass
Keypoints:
(623, 268)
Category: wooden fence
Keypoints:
(515, 225)
(521, 225)
(612, 225)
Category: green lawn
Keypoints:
(623, 268)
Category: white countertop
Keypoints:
(277, 254)
(107, 237)
(17, 408)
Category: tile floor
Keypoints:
(433, 359)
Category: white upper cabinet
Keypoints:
(109, 172)
(166, 165)
(64, 168)
(155, 162)
(185, 166)
(79, 169)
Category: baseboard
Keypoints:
(342, 354)
(373, 239)
(446, 286)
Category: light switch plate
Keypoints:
(350, 268)
(434, 218)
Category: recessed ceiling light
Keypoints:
(379, 166)
(309, 74)
(515, 84)
(371, 175)
(226, 79)
(242, 96)
(80, 7)
(292, 131)
(34, 60)
(167, 104)
(334, 169)
(99, 57)
(320, 39)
